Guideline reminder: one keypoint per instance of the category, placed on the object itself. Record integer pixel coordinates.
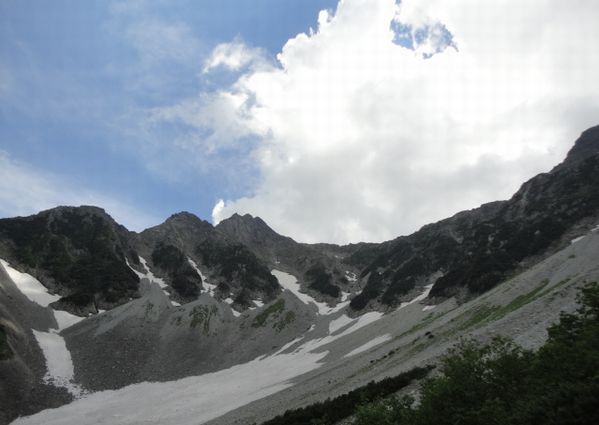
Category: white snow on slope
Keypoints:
(188, 401)
(339, 323)
(59, 366)
(372, 343)
(360, 322)
(149, 275)
(210, 288)
(152, 278)
(427, 290)
(289, 282)
(30, 286)
(428, 307)
(65, 319)
(577, 239)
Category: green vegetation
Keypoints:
(501, 383)
(5, 351)
(278, 319)
(80, 249)
(486, 313)
(201, 315)
(333, 410)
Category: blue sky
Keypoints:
(333, 120)
(75, 74)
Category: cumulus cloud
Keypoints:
(361, 138)
(25, 191)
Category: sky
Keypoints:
(334, 121)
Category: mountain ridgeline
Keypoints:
(82, 254)
(87, 305)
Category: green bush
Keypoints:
(501, 383)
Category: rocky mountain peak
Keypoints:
(586, 146)
(243, 226)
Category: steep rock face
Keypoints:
(236, 271)
(475, 250)
(320, 271)
(78, 253)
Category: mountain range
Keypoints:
(187, 322)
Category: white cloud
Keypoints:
(362, 139)
(234, 56)
(25, 191)
(217, 210)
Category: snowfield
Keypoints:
(60, 371)
(30, 286)
(289, 282)
(373, 343)
(59, 365)
(189, 401)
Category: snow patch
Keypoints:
(59, 365)
(339, 323)
(359, 323)
(210, 288)
(372, 343)
(428, 307)
(422, 296)
(289, 282)
(258, 303)
(152, 278)
(350, 276)
(30, 286)
(65, 319)
(577, 239)
(149, 275)
(189, 401)
(38, 293)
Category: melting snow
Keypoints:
(372, 343)
(149, 275)
(59, 365)
(58, 358)
(189, 401)
(350, 276)
(339, 323)
(152, 278)
(210, 288)
(30, 286)
(428, 307)
(258, 303)
(427, 290)
(289, 282)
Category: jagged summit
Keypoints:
(586, 146)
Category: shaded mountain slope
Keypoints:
(474, 250)
(78, 253)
